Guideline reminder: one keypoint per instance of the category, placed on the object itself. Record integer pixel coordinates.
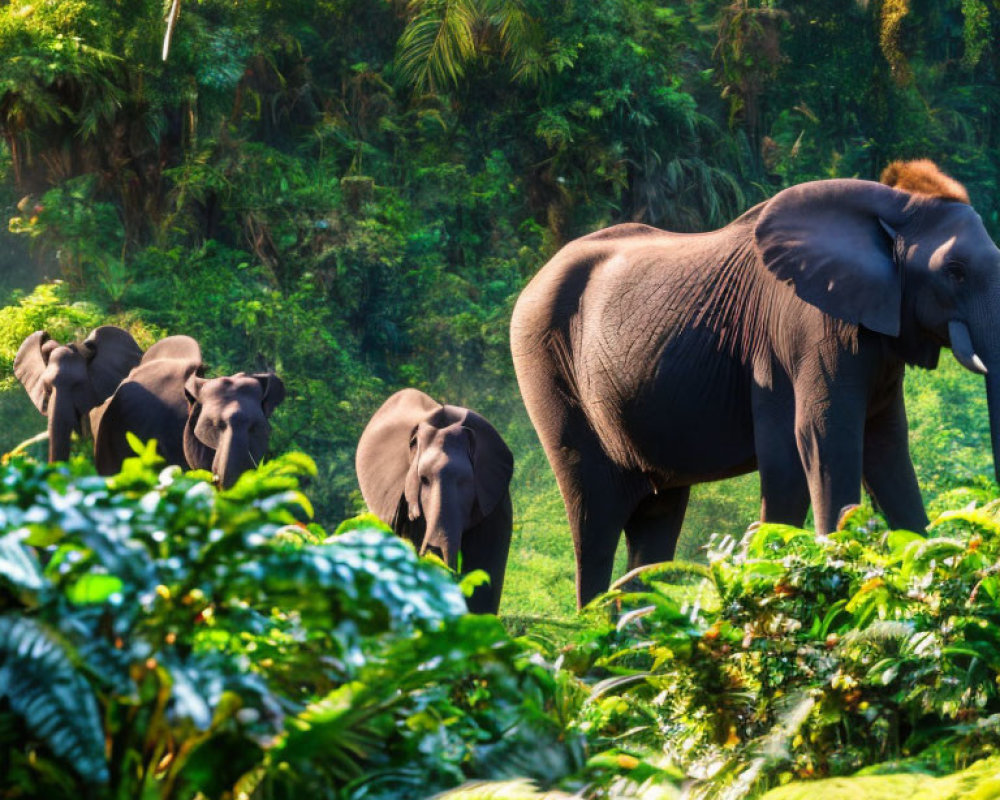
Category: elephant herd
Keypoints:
(648, 361)
(108, 387)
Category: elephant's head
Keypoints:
(912, 261)
(227, 430)
(65, 382)
(440, 465)
(440, 486)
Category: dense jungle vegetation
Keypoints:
(353, 192)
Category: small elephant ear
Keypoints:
(112, 354)
(29, 364)
(192, 388)
(383, 457)
(831, 241)
(492, 462)
(273, 391)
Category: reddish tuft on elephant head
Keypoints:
(923, 176)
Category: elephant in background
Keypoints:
(439, 475)
(67, 381)
(651, 361)
(217, 424)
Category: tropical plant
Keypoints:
(161, 638)
(796, 656)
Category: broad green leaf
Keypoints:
(94, 588)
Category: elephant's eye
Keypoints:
(425, 480)
(955, 272)
(413, 442)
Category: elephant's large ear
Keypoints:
(492, 462)
(197, 453)
(383, 457)
(829, 239)
(273, 389)
(113, 353)
(29, 364)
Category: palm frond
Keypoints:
(438, 43)
(19, 569)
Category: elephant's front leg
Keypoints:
(830, 410)
(485, 547)
(784, 491)
(888, 470)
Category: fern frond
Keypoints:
(19, 569)
(43, 686)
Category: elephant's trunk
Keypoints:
(62, 422)
(445, 541)
(966, 354)
(233, 457)
(993, 403)
(444, 525)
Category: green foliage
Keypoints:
(175, 639)
(977, 782)
(443, 37)
(802, 656)
(353, 193)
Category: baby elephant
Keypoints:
(440, 476)
(217, 424)
(66, 382)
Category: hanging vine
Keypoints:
(975, 31)
(890, 28)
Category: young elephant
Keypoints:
(439, 475)
(217, 424)
(67, 381)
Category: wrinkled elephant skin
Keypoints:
(651, 361)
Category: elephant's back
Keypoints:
(151, 404)
(553, 300)
(620, 325)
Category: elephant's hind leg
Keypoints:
(596, 517)
(652, 530)
(599, 496)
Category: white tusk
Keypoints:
(961, 347)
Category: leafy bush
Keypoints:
(159, 638)
(798, 656)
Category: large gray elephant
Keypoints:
(439, 476)
(217, 424)
(650, 361)
(67, 381)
